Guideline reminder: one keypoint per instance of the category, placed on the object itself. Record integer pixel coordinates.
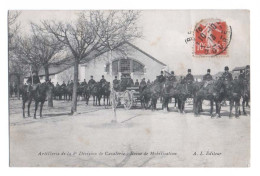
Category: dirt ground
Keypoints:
(139, 138)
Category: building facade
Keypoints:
(127, 60)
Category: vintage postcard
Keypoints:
(131, 88)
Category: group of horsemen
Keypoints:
(127, 81)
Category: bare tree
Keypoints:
(94, 32)
(41, 50)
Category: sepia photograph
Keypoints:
(129, 88)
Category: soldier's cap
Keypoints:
(226, 68)
(172, 72)
(208, 70)
(189, 70)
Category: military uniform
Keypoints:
(207, 77)
(84, 83)
(172, 78)
(136, 84)
(161, 78)
(189, 78)
(227, 76)
(103, 80)
(142, 83)
(91, 81)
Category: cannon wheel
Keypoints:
(128, 99)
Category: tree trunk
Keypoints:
(49, 93)
(18, 86)
(75, 87)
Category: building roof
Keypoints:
(135, 47)
(239, 68)
(55, 69)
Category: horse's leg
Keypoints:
(42, 102)
(211, 107)
(29, 104)
(182, 107)
(23, 109)
(36, 107)
(179, 105)
(231, 107)
(243, 106)
(237, 105)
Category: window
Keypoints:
(138, 67)
(125, 65)
(115, 67)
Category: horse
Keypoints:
(96, 93)
(245, 95)
(233, 92)
(68, 92)
(39, 96)
(212, 91)
(105, 92)
(150, 94)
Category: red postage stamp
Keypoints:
(211, 38)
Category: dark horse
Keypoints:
(150, 94)
(105, 92)
(212, 91)
(233, 93)
(245, 95)
(39, 96)
(176, 90)
(95, 91)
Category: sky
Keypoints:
(164, 34)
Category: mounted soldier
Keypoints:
(161, 78)
(63, 84)
(227, 76)
(148, 82)
(172, 77)
(57, 84)
(116, 83)
(33, 81)
(84, 83)
(136, 83)
(241, 76)
(208, 76)
(103, 80)
(189, 77)
(143, 83)
(247, 73)
(91, 81)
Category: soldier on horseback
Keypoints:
(247, 73)
(227, 76)
(189, 77)
(91, 81)
(161, 78)
(143, 83)
(172, 77)
(33, 81)
(208, 76)
(116, 83)
(63, 84)
(84, 83)
(136, 83)
(103, 80)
